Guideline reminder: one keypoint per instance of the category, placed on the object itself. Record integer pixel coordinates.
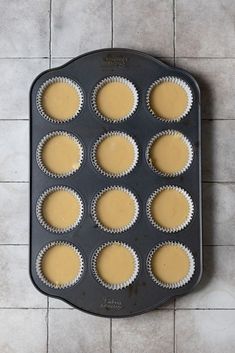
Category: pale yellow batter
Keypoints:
(170, 264)
(168, 100)
(170, 208)
(60, 265)
(115, 264)
(60, 101)
(115, 154)
(169, 153)
(61, 154)
(115, 100)
(115, 209)
(61, 209)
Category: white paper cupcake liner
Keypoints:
(118, 285)
(101, 139)
(39, 267)
(48, 83)
(184, 139)
(183, 281)
(39, 207)
(184, 224)
(40, 149)
(182, 84)
(109, 80)
(116, 230)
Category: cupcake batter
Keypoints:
(170, 264)
(169, 153)
(61, 209)
(60, 101)
(170, 208)
(115, 209)
(60, 264)
(61, 154)
(115, 100)
(115, 264)
(115, 154)
(168, 100)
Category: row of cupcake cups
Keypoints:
(100, 224)
(98, 142)
(120, 285)
(113, 79)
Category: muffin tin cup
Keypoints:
(39, 267)
(42, 143)
(184, 224)
(166, 133)
(46, 84)
(111, 79)
(116, 230)
(39, 207)
(101, 139)
(179, 82)
(118, 285)
(182, 282)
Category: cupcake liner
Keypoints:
(109, 80)
(163, 133)
(182, 282)
(118, 230)
(39, 206)
(39, 267)
(48, 83)
(42, 144)
(102, 138)
(118, 285)
(182, 84)
(184, 224)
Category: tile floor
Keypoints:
(198, 36)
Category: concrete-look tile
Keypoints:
(23, 331)
(58, 304)
(205, 331)
(218, 150)
(14, 146)
(147, 27)
(205, 28)
(16, 78)
(216, 78)
(218, 214)
(72, 331)
(145, 333)
(25, 28)
(14, 213)
(80, 26)
(17, 291)
(217, 286)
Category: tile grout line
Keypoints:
(157, 57)
(111, 335)
(174, 340)
(174, 28)
(50, 33)
(47, 320)
(112, 23)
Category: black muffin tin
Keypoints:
(142, 70)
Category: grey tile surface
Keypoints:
(217, 286)
(205, 331)
(14, 146)
(72, 331)
(80, 26)
(24, 28)
(23, 331)
(17, 291)
(205, 28)
(144, 25)
(150, 333)
(14, 213)
(219, 214)
(218, 150)
(58, 304)
(216, 78)
(17, 76)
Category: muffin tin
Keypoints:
(87, 72)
